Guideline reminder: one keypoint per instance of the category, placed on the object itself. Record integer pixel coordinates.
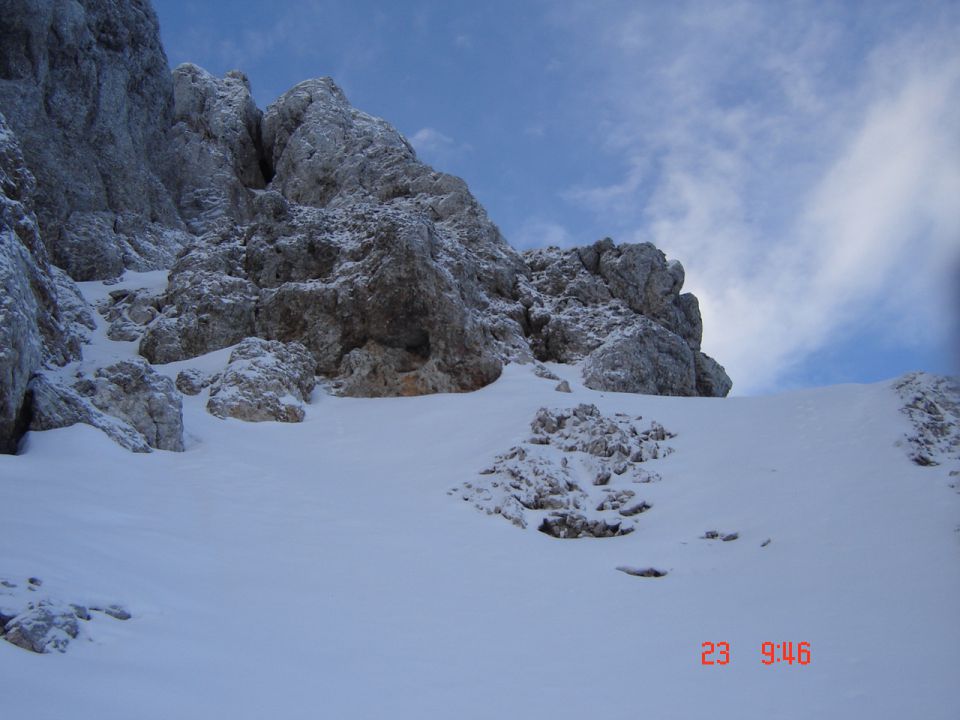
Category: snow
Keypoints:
(321, 569)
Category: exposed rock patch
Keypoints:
(932, 403)
(570, 475)
(45, 624)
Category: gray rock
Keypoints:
(932, 404)
(137, 394)
(589, 298)
(43, 627)
(33, 328)
(543, 479)
(193, 381)
(216, 138)
(55, 406)
(646, 358)
(563, 386)
(264, 380)
(86, 87)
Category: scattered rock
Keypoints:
(35, 581)
(43, 627)
(264, 380)
(570, 474)
(563, 386)
(542, 371)
(641, 572)
(193, 381)
(765, 542)
(730, 536)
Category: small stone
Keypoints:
(711, 535)
(35, 581)
(563, 386)
(117, 612)
(765, 542)
(730, 536)
(641, 572)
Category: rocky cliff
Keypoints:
(310, 224)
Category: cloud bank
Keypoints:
(803, 162)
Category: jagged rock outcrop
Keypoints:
(311, 223)
(40, 317)
(620, 308)
(264, 380)
(216, 140)
(86, 88)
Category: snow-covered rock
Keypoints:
(932, 402)
(264, 380)
(570, 474)
(137, 394)
(621, 308)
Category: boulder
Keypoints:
(45, 626)
(54, 405)
(264, 380)
(137, 394)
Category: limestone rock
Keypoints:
(54, 405)
(646, 358)
(569, 477)
(136, 393)
(607, 302)
(216, 138)
(43, 627)
(86, 87)
(33, 328)
(264, 380)
(193, 381)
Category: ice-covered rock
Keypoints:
(264, 380)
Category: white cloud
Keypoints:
(810, 189)
(435, 147)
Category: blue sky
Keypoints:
(801, 159)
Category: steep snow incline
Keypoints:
(323, 570)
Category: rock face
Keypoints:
(86, 88)
(264, 380)
(310, 223)
(620, 308)
(39, 308)
(216, 138)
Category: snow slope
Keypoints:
(323, 570)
